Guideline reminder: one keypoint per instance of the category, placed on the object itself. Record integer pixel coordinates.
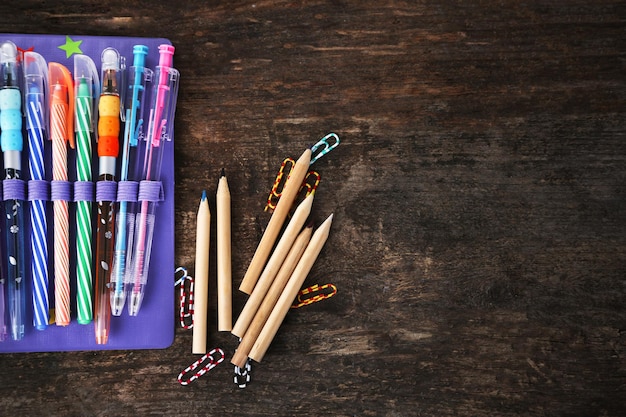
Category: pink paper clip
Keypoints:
(211, 363)
(314, 294)
(186, 298)
(309, 185)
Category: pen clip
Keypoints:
(164, 98)
(138, 79)
(60, 77)
(324, 146)
(36, 86)
(85, 69)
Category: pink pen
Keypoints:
(160, 129)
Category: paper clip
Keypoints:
(309, 185)
(324, 147)
(211, 363)
(242, 375)
(311, 181)
(186, 301)
(315, 293)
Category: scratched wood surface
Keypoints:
(479, 243)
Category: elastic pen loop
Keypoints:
(211, 362)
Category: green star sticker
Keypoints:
(71, 47)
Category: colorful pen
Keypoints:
(12, 143)
(86, 87)
(36, 84)
(61, 131)
(110, 112)
(160, 129)
(139, 76)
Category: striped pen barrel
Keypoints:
(35, 76)
(86, 86)
(61, 130)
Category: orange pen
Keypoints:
(109, 112)
(61, 131)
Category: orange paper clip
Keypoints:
(309, 185)
(186, 298)
(313, 294)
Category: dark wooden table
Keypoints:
(479, 242)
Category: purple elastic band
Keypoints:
(14, 189)
(127, 191)
(83, 191)
(60, 191)
(151, 191)
(106, 190)
(38, 190)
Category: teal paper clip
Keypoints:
(324, 147)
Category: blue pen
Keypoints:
(36, 106)
(11, 141)
(122, 255)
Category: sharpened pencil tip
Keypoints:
(222, 174)
(203, 195)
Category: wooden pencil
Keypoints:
(224, 272)
(273, 265)
(294, 284)
(290, 191)
(203, 238)
(240, 356)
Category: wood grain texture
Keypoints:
(478, 242)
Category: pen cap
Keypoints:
(166, 55)
(111, 103)
(36, 87)
(86, 85)
(10, 99)
(8, 65)
(62, 93)
(164, 101)
(112, 75)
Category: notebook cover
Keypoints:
(153, 327)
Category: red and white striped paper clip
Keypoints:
(186, 298)
(211, 362)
